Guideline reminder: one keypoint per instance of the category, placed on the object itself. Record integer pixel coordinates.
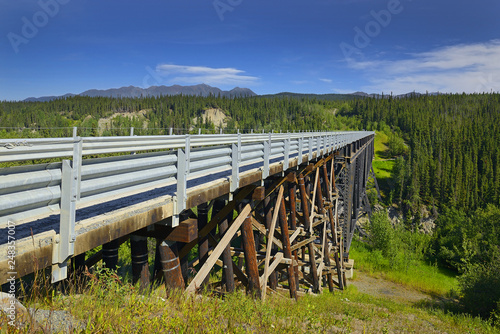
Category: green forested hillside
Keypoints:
(179, 112)
(451, 165)
(454, 141)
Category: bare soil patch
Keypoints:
(379, 287)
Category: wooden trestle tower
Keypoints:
(293, 232)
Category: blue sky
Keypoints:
(53, 47)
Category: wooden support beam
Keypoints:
(270, 237)
(251, 267)
(286, 248)
(262, 229)
(292, 193)
(203, 242)
(231, 267)
(308, 225)
(295, 234)
(227, 268)
(268, 210)
(316, 184)
(186, 231)
(259, 194)
(228, 209)
(303, 243)
(205, 269)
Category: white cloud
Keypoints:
(181, 74)
(454, 69)
(326, 80)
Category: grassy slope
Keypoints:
(109, 306)
(423, 276)
(381, 165)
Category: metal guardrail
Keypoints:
(60, 187)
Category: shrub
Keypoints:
(382, 234)
(480, 288)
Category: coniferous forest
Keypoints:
(446, 152)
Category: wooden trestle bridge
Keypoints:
(271, 211)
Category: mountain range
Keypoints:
(132, 91)
(206, 90)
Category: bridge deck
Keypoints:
(99, 222)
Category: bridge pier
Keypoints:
(203, 242)
(171, 266)
(110, 254)
(227, 268)
(140, 265)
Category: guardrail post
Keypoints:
(235, 164)
(170, 131)
(131, 131)
(310, 148)
(187, 152)
(287, 153)
(64, 245)
(180, 198)
(318, 143)
(301, 149)
(267, 154)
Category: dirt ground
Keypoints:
(379, 287)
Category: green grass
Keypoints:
(421, 276)
(383, 169)
(381, 148)
(381, 165)
(110, 306)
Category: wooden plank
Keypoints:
(295, 234)
(277, 260)
(268, 211)
(262, 229)
(270, 237)
(304, 242)
(313, 199)
(205, 269)
(292, 192)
